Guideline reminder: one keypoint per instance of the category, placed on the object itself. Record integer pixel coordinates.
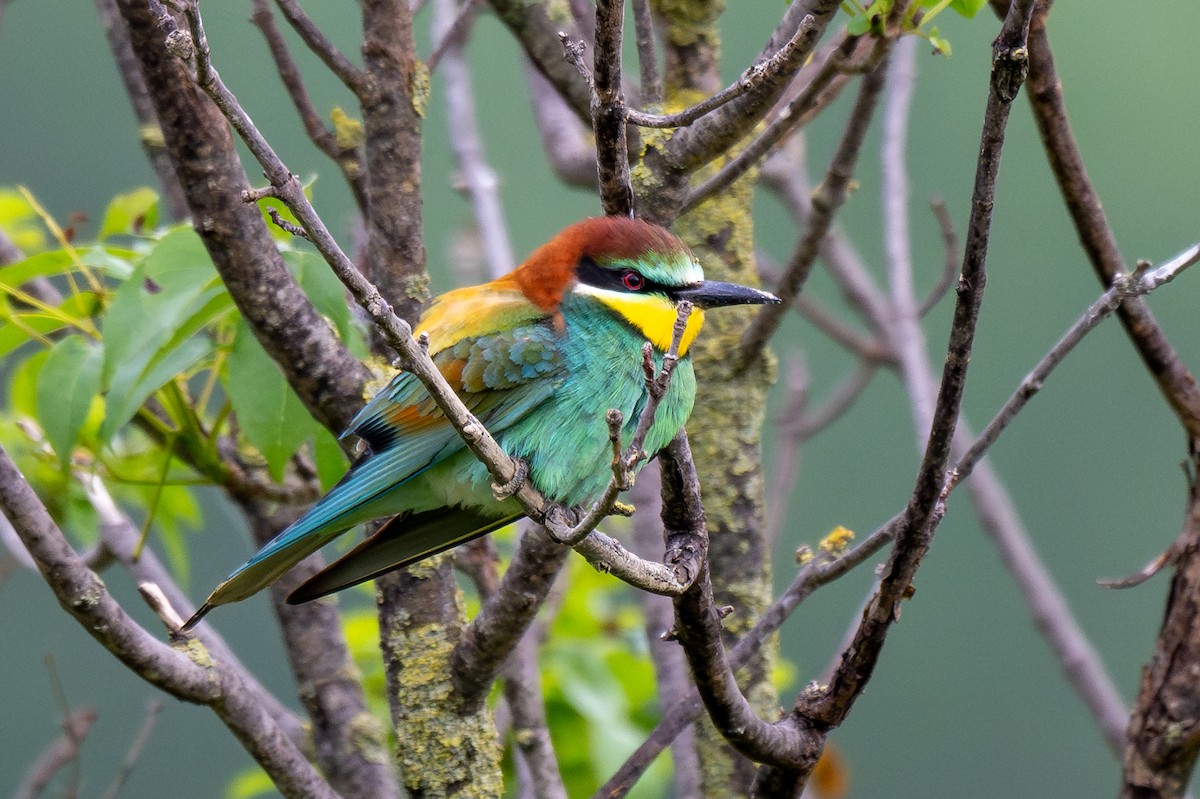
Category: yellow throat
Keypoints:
(654, 316)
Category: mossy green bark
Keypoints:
(726, 426)
(726, 438)
(725, 431)
(442, 751)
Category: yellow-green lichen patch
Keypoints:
(419, 88)
(690, 21)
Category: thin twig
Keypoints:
(717, 132)
(538, 25)
(746, 82)
(453, 35)
(320, 44)
(153, 708)
(785, 174)
(950, 264)
(826, 203)
(149, 131)
(830, 705)
(862, 345)
(530, 729)
(624, 464)
(817, 93)
(347, 154)
(285, 225)
(1124, 288)
(651, 80)
(63, 752)
(1176, 383)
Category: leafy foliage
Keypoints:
(142, 366)
(869, 19)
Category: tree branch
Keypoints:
(832, 704)
(1177, 385)
(120, 538)
(749, 80)
(536, 25)
(651, 80)
(490, 638)
(344, 152)
(354, 78)
(565, 139)
(175, 669)
(609, 112)
(698, 627)
(1125, 288)
(324, 374)
(819, 571)
(1164, 728)
(717, 132)
(61, 753)
(149, 131)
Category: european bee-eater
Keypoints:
(539, 356)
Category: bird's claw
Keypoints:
(560, 525)
(520, 475)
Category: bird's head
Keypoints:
(638, 270)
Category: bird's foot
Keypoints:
(560, 525)
(503, 492)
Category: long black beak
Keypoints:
(714, 294)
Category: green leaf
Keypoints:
(130, 213)
(968, 8)
(149, 325)
(22, 391)
(940, 46)
(44, 264)
(117, 262)
(19, 321)
(124, 398)
(176, 512)
(269, 413)
(858, 25)
(20, 221)
(167, 288)
(250, 784)
(328, 296)
(69, 381)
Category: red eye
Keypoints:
(632, 281)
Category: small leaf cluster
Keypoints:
(917, 19)
(135, 365)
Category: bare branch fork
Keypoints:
(750, 79)
(347, 155)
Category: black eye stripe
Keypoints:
(593, 274)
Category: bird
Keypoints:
(539, 356)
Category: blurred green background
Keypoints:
(967, 700)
